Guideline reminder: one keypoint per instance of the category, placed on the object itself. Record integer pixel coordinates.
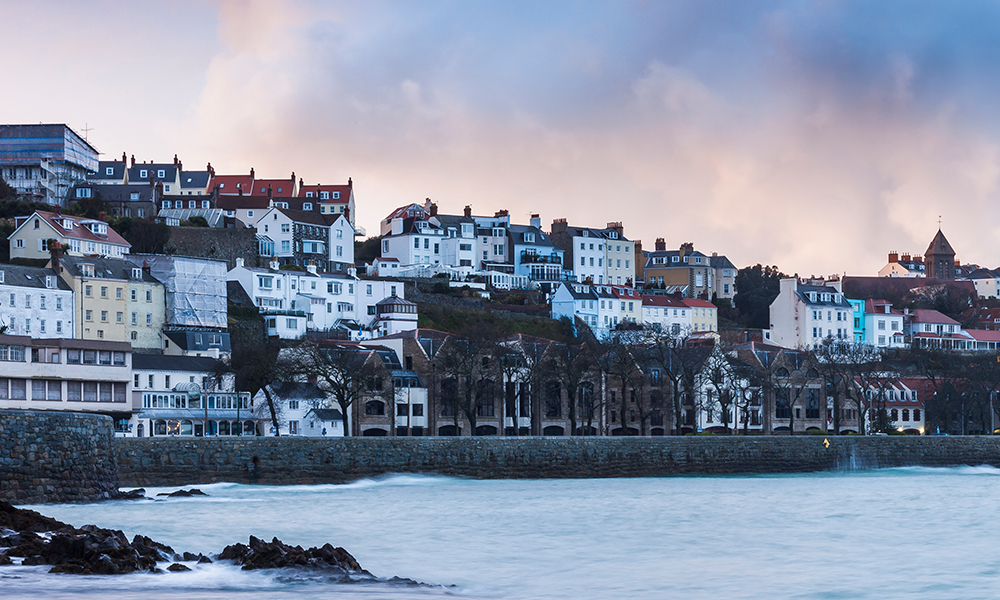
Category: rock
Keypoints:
(277, 555)
(5, 560)
(189, 556)
(204, 560)
(183, 493)
(178, 567)
(147, 546)
(139, 494)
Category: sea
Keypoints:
(911, 533)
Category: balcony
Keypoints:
(529, 257)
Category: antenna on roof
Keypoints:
(86, 130)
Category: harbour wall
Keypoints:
(280, 461)
(49, 456)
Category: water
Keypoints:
(899, 533)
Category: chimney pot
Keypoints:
(468, 210)
(133, 160)
(251, 173)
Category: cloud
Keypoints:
(813, 135)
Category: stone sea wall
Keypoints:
(170, 462)
(48, 456)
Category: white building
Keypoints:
(294, 302)
(294, 403)
(78, 236)
(804, 313)
(666, 314)
(883, 325)
(183, 396)
(35, 303)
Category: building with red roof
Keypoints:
(78, 236)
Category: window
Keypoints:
(166, 381)
(149, 319)
(89, 315)
(118, 317)
(293, 404)
(307, 206)
(104, 291)
(143, 173)
(104, 316)
(285, 228)
(149, 295)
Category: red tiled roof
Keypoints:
(925, 315)
(232, 184)
(984, 335)
(79, 231)
(661, 300)
(697, 303)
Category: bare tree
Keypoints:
(572, 365)
(340, 370)
(256, 365)
(470, 361)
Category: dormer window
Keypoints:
(613, 235)
(136, 273)
(134, 196)
(67, 224)
(36, 224)
(675, 259)
(279, 190)
(307, 206)
(309, 194)
(109, 171)
(87, 270)
(529, 238)
(50, 282)
(161, 173)
(143, 173)
(336, 195)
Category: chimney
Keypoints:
(893, 257)
(559, 226)
(240, 262)
(101, 216)
(957, 263)
(715, 255)
(56, 253)
(311, 267)
(293, 177)
(617, 227)
(905, 257)
(661, 245)
(301, 183)
(133, 160)
(180, 166)
(175, 160)
(274, 265)
(427, 205)
(347, 214)
(536, 220)
(434, 209)
(686, 248)
(468, 210)
(124, 159)
(918, 258)
(269, 194)
(503, 212)
(349, 182)
(145, 268)
(638, 248)
(251, 173)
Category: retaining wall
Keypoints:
(49, 456)
(169, 462)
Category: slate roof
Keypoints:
(195, 179)
(326, 414)
(311, 218)
(102, 170)
(280, 188)
(104, 268)
(152, 170)
(802, 291)
(541, 238)
(111, 192)
(166, 362)
(345, 193)
(33, 277)
(939, 245)
(237, 202)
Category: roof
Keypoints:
(165, 362)
(212, 216)
(394, 301)
(195, 179)
(33, 277)
(280, 188)
(104, 268)
(312, 218)
(237, 202)
(78, 231)
(326, 414)
(233, 184)
(117, 167)
(720, 262)
(803, 291)
(661, 300)
(939, 245)
(697, 303)
(871, 304)
(152, 170)
(236, 295)
(541, 238)
(345, 192)
(926, 315)
(984, 335)
(111, 192)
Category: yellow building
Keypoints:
(704, 315)
(115, 300)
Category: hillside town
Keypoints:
(185, 302)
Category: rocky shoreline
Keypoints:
(30, 538)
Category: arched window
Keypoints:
(906, 414)
(375, 408)
(160, 427)
(916, 414)
(895, 415)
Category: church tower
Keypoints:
(940, 258)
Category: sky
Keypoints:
(815, 135)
